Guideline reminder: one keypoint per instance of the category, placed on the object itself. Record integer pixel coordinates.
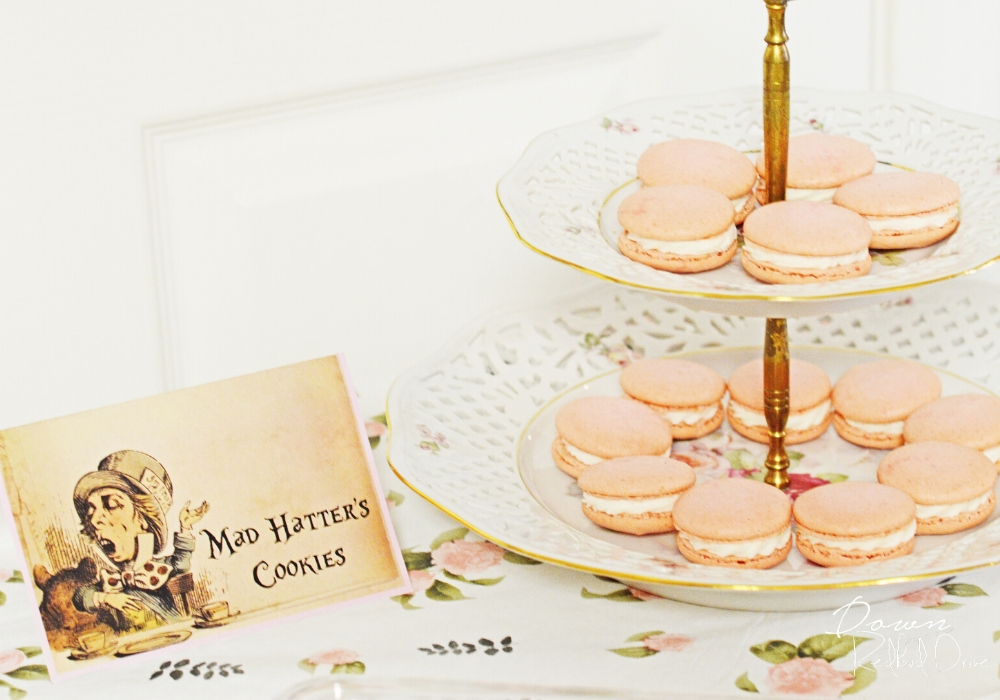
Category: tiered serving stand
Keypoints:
(471, 428)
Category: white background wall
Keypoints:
(192, 190)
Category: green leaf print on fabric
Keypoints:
(634, 652)
(830, 646)
(417, 561)
(515, 558)
(864, 676)
(963, 590)
(444, 592)
(622, 596)
(643, 635)
(404, 600)
(775, 651)
(743, 683)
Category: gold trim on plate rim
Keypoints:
(659, 580)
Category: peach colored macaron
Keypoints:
(595, 428)
(687, 394)
(803, 242)
(972, 420)
(854, 522)
(808, 402)
(818, 164)
(952, 485)
(734, 522)
(871, 400)
(678, 228)
(700, 162)
(635, 495)
(904, 209)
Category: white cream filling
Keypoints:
(582, 456)
(793, 194)
(804, 420)
(893, 539)
(894, 428)
(588, 458)
(951, 510)
(801, 262)
(993, 453)
(631, 506)
(704, 246)
(740, 202)
(690, 416)
(744, 549)
(914, 222)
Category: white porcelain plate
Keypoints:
(472, 427)
(553, 196)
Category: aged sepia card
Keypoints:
(199, 511)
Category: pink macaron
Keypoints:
(818, 164)
(595, 428)
(805, 242)
(700, 162)
(678, 228)
(687, 394)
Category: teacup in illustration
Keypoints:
(92, 641)
(213, 612)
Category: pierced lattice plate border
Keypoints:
(457, 419)
(554, 193)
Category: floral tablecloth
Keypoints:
(482, 614)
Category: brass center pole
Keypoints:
(776, 92)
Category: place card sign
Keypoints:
(204, 510)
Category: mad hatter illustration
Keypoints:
(123, 508)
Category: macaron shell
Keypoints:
(637, 477)
(670, 262)
(564, 460)
(809, 385)
(672, 382)
(972, 420)
(609, 426)
(824, 556)
(676, 213)
(821, 161)
(859, 509)
(772, 274)
(919, 238)
(807, 228)
(938, 473)
(697, 162)
(857, 436)
(763, 562)
(898, 193)
(885, 391)
(792, 437)
(630, 524)
(963, 521)
(732, 510)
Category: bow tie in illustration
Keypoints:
(149, 576)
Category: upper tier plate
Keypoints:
(554, 194)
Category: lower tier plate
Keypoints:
(471, 431)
